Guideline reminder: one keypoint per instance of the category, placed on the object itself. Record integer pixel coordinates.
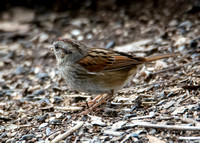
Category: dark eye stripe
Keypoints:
(67, 51)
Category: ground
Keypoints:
(161, 104)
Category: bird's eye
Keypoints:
(56, 47)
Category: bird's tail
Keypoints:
(157, 57)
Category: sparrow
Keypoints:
(97, 70)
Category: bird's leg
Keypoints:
(103, 100)
(92, 102)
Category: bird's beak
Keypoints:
(51, 48)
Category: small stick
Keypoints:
(190, 120)
(77, 95)
(72, 108)
(168, 69)
(142, 117)
(174, 90)
(167, 127)
(52, 136)
(189, 138)
(64, 135)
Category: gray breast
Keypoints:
(80, 80)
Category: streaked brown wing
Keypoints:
(102, 59)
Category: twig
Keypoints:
(167, 127)
(189, 138)
(174, 90)
(24, 126)
(190, 120)
(143, 117)
(77, 95)
(72, 108)
(64, 135)
(168, 69)
(51, 136)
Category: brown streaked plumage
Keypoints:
(96, 70)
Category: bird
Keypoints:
(97, 70)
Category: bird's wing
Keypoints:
(102, 59)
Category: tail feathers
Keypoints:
(158, 57)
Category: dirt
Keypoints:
(36, 105)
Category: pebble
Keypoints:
(135, 135)
(12, 140)
(48, 131)
(152, 131)
(169, 104)
(118, 125)
(60, 115)
(184, 27)
(98, 122)
(104, 138)
(152, 114)
(43, 125)
(27, 137)
(42, 118)
(161, 94)
(127, 116)
(43, 37)
(80, 38)
(79, 22)
(156, 85)
(55, 122)
(185, 24)
(39, 92)
(96, 140)
(89, 36)
(57, 99)
(75, 32)
(46, 100)
(29, 98)
(179, 110)
(113, 133)
(42, 76)
(196, 55)
(110, 45)
(173, 22)
(8, 93)
(19, 70)
(181, 48)
(3, 135)
(41, 141)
